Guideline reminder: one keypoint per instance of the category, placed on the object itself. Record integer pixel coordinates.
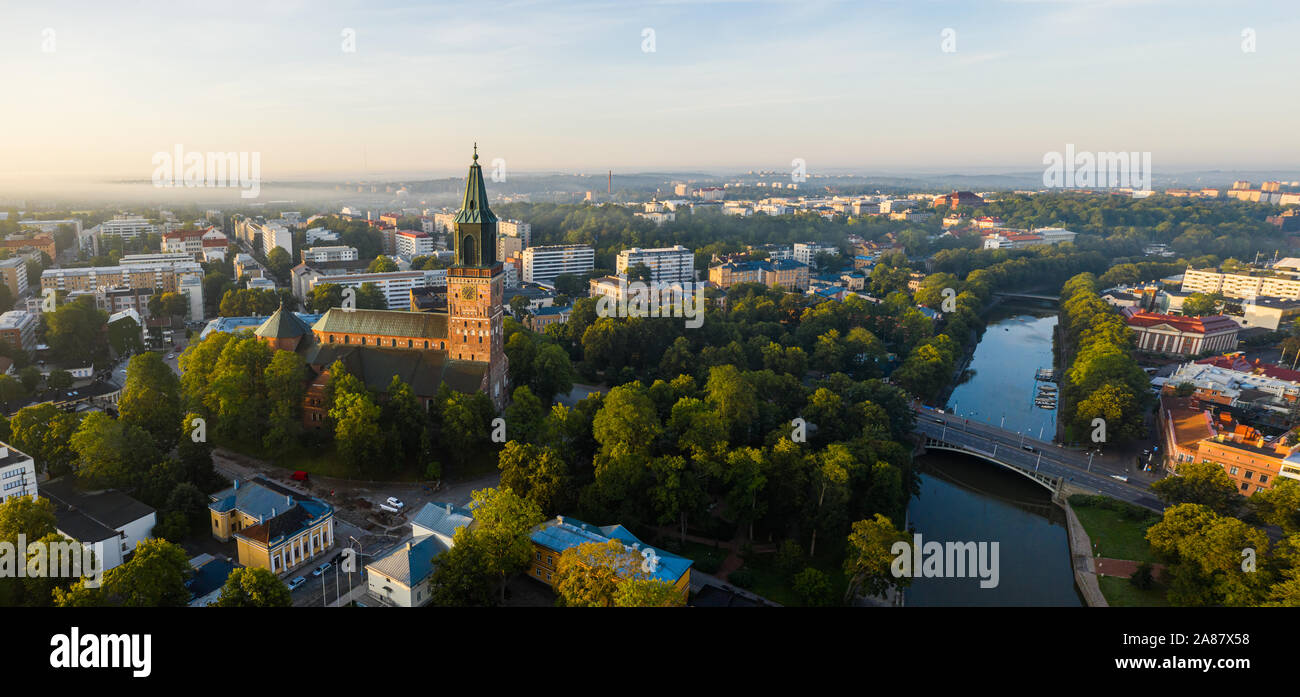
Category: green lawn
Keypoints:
(1120, 593)
(1115, 535)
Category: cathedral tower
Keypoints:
(475, 284)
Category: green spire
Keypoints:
(474, 209)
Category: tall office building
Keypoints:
(543, 264)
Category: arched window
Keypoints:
(410, 344)
(331, 338)
(363, 341)
(426, 344)
(467, 254)
(347, 339)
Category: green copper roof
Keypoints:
(474, 209)
(282, 324)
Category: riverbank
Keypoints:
(1085, 573)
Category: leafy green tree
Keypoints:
(45, 432)
(552, 373)
(11, 390)
(589, 575)
(1203, 483)
(462, 576)
(648, 592)
(504, 524)
(279, 262)
(151, 399)
(536, 473)
(357, 433)
(112, 453)
(382, 264)
(813, 587)
(59, 380)
(254, 587)
(75, 331)
(284, 378)
(154, 577)
(870, 556)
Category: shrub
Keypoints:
(742, 577)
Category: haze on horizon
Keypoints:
(568, 86)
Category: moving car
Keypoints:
(322, 568)
(294, 584)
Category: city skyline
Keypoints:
(576, 87)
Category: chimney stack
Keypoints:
(560, 519)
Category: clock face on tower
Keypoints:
(469, 292)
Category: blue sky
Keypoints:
(566, 86)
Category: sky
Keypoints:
(98, 88)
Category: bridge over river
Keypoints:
(1044, 462)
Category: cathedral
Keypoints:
(462, 347)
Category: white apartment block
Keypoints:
(17, 474)
(806, 252)
(332, 253)
(144, 275)
(1241, 285)
(51, 226)
(320, 234)
(444, 222)
(265, 236)
(667, 264)
(192, 288)
(658, 218)
(396, 286)
(543, 264)
(413, 243)
(126, 227)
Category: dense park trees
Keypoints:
(1103, 380)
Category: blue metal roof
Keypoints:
(442, 518)
(410, 563)
(564, 533)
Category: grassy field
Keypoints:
(1115, 535)
(771, 583)
(1120, 593)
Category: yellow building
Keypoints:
(552, 538)
(274, 528)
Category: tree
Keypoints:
(284, 378)
(254, 587)
(462, 576)
(589, 575)
(76, 332)
(151, 399)
(536, 473)
(648, 592)
(45, 432)
(405, 421)
(1279, 505)
(11, 390)
(356, 432)
(1202, 483)
(30, 377)
(59, 380)
(112, 453)
(154, 577)
(814, 588)
(504, 524)
(552, 373)
(519, 307)
(382, 264)
(869, 560)
(1199, 304)
(279, 262)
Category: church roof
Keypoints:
(424, 371)
(282, 324)
(415, 325)
(474, 209)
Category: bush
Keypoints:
(742, 577)
(709, 563)
(1142, 577)
(789, 558)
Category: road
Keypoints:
(1077, 467)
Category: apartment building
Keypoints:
(313, 255)
(396, 286)
(668, 264)
(543, 264)
(413, 243)
(13, 271)
(806, 252)
(517, 229)
(17, 473)
(264, 236)
(164, 276)
(127, 227)
(553, 537)
(207, 244)
(783, 273)
(40, 242)
(18, 329)
(1276, 284)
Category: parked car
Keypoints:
(395, 502)
(294, 584)
(322, 568)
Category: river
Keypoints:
(964, 499)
